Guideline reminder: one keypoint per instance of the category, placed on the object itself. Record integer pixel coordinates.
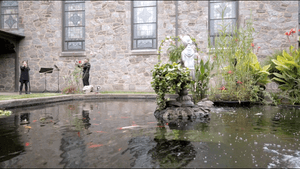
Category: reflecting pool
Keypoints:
(125, 133)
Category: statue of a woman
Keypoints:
(187, 57)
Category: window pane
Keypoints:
(144, 24)
(144, 15)
(10, 21)
(73, 33)
(144, 3)
(144, 43)
(9, 10)
(228, 9)
(75, 45)
(9, 14)
(74, 25)
(144, 31)
(74, 19)
(217, 25)
(74, 7)
(9, 3)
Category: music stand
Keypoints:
(45, 71)
(57, 78)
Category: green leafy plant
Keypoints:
(268, 61)
(175, 52)
(239, 75)
(5, 112)
(73, 81)
(168, 78)
(200, 85)
(260, 74)
(289, 76)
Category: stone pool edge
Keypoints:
(15, 103)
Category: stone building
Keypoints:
(120, 37)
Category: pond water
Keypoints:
(125, 133)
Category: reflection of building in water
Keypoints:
(10, 140)
(87, 109)
(24, 118)
(72, 142)
(160, 152)
(139, 148)
(74, 148)
(172, 153)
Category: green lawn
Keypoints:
(36, 95)
(24, 96)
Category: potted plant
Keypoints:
(169, 78)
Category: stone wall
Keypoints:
(115, 66)
(271, 20)
(7, 72)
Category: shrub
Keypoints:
(237, 69)
(200, 85)
(73, 81)
(268, 61)
(169, 78)
(289, 74)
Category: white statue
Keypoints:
(188, 55)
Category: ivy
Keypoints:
(168, 78)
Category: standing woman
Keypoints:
(86, 71)
(24, 78)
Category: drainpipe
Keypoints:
(176, 25)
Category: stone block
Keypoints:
(292, 8)
(118, 87)
(288, 15)
(131, 87)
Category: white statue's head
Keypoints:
(186, 40)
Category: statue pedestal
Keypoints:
(184, 99)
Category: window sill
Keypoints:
(73, 54)
(144, 52)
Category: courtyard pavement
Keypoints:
(8, 93)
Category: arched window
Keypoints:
(217, 9)
(144, 24)
(9, 15)
(74, 25)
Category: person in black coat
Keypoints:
(24, 78)
(86, 71)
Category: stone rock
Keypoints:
(183, 113)
(173, 103)
(205, 103)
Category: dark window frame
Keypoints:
(132, 27)
(64, 26)
(209, 18)
(2, 16)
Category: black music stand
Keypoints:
(45, 71)
(57, 78)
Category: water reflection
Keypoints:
(160, 151)
(95, 134)
(10, 139)
(174, 153)
(87, 108)
(73, 145)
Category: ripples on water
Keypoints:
(124, 133)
